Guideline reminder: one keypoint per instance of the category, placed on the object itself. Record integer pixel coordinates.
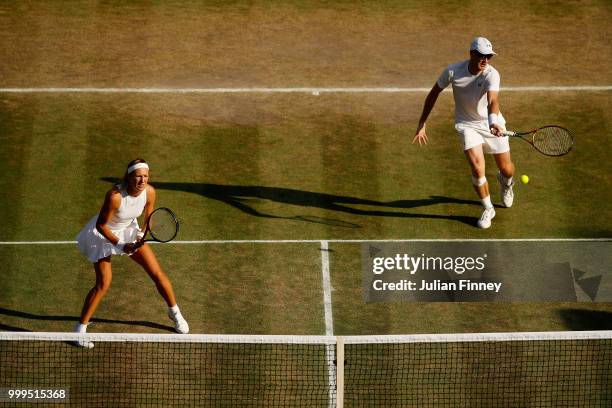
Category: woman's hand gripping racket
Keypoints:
(548, 140)
(162, 226)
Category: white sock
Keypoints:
(80, 328)
(486, 202)
(175, 310)
(505, 181)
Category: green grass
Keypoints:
(354, 316)
(287, 167)
(254, 167)
(303, 172)
(297, 43)
(248, 289)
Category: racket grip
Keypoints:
(508, 133)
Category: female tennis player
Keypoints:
(115, 231)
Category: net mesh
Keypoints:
(553, 140)
(484, 374)
(386, 371)
(163, 225)
(134, 373)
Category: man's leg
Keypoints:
(505, 177)
(475, 157)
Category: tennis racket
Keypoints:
(548, 140)
(162, 226)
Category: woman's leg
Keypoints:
(146, 258)
(104, 277)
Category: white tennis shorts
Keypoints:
(479, 134)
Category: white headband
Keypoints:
(137, 166)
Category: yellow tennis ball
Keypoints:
(525, 179)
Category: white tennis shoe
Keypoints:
(507, 195)
(485, 219)
(180, 324)
(82, 343)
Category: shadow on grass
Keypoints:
(6, 327)
(30, 316)
(581, 319)
(239, 197)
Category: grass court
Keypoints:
(286, 166)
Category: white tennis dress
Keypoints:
(123, 224)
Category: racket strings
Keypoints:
(163, 225)
(553, 141)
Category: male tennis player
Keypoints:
(477, 118)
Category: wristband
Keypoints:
(120, 245)
(493, 119)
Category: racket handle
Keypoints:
(508, 133)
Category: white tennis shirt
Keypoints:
(130, 209)
(470, 91)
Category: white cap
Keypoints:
(482, 45)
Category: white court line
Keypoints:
(311, 241)
(327, 300)
(329, 322)
(37, 242)
(310, 90)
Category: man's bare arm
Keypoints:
(420, 135)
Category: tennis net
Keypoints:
(551, 369)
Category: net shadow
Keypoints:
(580, 319)
(31, 316)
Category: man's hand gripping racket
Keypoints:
(548, 140)
(161, 226)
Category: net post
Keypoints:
(339, 372)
